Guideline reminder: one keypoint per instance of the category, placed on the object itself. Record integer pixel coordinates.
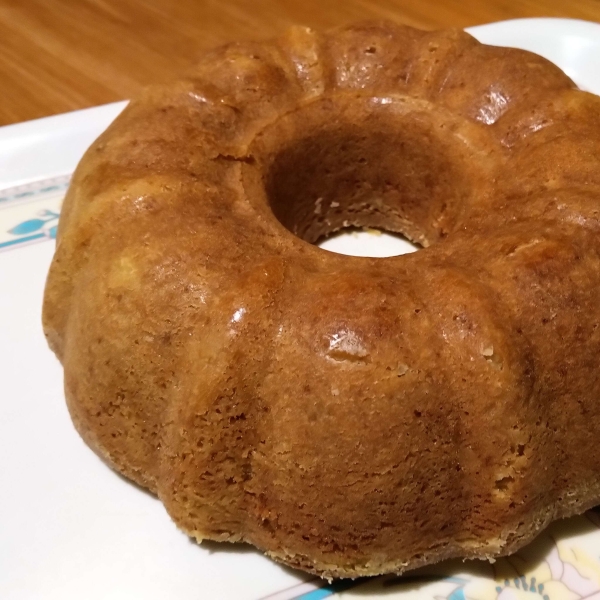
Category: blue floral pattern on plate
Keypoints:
(30, 213)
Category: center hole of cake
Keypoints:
(362, 189)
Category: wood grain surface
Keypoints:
(61, 55)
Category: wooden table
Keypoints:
(61, 55)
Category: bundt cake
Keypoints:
(348, 416)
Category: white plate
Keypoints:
(71, 529)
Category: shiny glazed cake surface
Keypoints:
(329, 409)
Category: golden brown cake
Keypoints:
(348, 416)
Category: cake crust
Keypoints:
(348, 416)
